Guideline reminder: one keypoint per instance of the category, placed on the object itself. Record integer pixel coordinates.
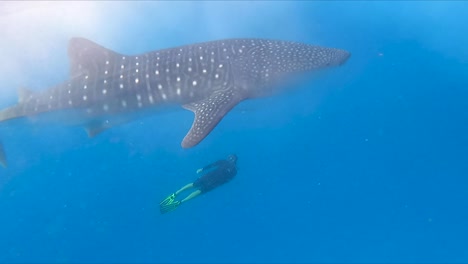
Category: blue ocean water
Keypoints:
(367, 163)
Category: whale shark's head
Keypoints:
(269, 62)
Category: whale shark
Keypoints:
(106, 88)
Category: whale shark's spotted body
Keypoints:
(210, 78)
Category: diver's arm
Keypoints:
(210, 166)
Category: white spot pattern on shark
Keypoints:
(208, 78)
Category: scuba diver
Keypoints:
(219, 173)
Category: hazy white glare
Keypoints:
(31, 31)
(264, 19)
(35, 33)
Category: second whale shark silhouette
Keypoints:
(106, 88)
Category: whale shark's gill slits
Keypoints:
(178, 79)
(148, 77)
(186, 70)
(224, 68)
(147, 74)
(159, 72)
(142, 86)
(167, 73)
(155, 77)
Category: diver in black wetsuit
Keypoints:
(220, 172)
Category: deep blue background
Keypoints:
(367, 163)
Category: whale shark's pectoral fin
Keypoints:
(97, 127)
(3, 161)
(94, 129)
(208, 113)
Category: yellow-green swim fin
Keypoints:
(166, 208)
(168, 200)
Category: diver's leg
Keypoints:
(191, 196)
(171, 198)
(188, 186)
(167, 207)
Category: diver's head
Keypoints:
(232, 158)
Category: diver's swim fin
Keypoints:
(166, 208)
(168, 200)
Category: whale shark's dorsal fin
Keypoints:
(87, 57)
(208, 113)
(24, 94)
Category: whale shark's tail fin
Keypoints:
(3, 161)
(10, 113)
(17, 110)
